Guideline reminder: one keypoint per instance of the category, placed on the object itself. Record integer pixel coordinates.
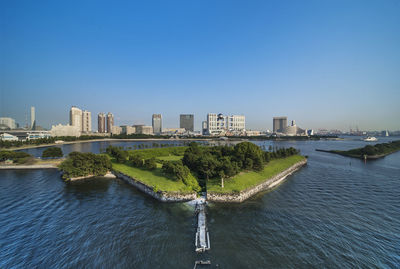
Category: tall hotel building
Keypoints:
(110, 122)
(75, 117)
(279, 124)
(157, 123)
(33, 119)
(217, 123)
(86, 121)
(187, 121)
(101, 123)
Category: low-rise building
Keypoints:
(116, 130)
(7, 123)
(142, 129)
(65, 130)
(38, 135)
(127, 130)
(174, 131)
(8, 137)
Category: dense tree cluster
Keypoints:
(18, 157)
(53, 152)
(83, 164)
(226, 161)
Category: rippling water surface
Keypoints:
(336, 212)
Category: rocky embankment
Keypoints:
(159, 195)
(238, 197)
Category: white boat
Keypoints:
(370, 139)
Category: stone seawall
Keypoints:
(268, 184)
(159, 195)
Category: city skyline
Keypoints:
(327, 65)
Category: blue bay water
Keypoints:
(336, 212)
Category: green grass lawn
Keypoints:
(153, 178)
(158, 152)
(246, 180)
(170, 158)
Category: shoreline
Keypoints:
(100, 140)
(28, 166)
(267, 184)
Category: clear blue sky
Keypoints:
(326, 64)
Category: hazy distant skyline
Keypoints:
(325, 64)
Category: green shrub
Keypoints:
(150, 164)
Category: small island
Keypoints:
(173, 174)
(225, 173)
(368, 152)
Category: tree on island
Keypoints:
(53, 152)
(84, 164)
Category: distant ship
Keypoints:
(370, 139)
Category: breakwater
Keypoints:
(162, 196)
(30, 166)
(238, 197)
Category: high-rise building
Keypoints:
(86, 121)
(101, 123)
(187, 121)
(75, 117)
(279, 124)
(157, 123)
(33, 120)
(217, 124)
(204, 128)
(110, 122)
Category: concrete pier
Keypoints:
(202, 241)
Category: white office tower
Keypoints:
(86, 121)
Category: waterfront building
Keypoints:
(279, 124)
(142, 129)
(293, 130)
(75, 117)
(101, 123)
(127, 130)
(38, 135)
(220, 124)
(33, 118)
(110, 122)
(7, 123)
(8, 137)
(157, 123)
(86, 121)
(174, 131)
(65, 130)
(187, 121)
(252, 133)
